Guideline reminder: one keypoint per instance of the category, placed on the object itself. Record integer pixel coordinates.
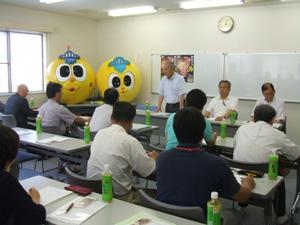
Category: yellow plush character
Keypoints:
(75, 75)
(120, 74)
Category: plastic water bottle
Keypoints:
(273, 165)
(232, 117)
(107, 188)
(214, 210)
(38, 124)
(148, 118)
(223, 130)
(87, 133)
(31, 102)
(147, 106)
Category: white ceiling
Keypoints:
(97, 9)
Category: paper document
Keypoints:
(82, 208)
(144, 219)
(161, 114)
(138, 126)
(22, 132)
(53, 139)
(51, 194)
(277, 125)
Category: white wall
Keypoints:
(273, 28)
(80, 34)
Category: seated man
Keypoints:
(221, 106)
(101, 116)
(187, 175)
(121, 151)
(255, 141)
(195, 98)
(18, 106)
(55, 115)
(269, 98)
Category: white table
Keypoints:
(110, 215)
(72, 149)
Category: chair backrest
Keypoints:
(75, 179)
(8, 120)
(52, 130)
(81, 133)
(263, 167)
(156, 148)
(192, 213)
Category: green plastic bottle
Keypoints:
(223, 130)
(38, 125)
(87, 133)
(232, 117)
(148, 118)
(147, 106)
(214, 210)
(31, 102)
(273, 165)
(107, 188)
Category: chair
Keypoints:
(24, 156)
(52, 130)
(8, 120)
(156, 148)
(192, 213)
(81, 133)
(75, 179)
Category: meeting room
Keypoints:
(174, 112)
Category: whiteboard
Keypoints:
(208, 71)
(247, 72)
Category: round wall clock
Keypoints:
(225, 24)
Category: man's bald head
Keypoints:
(167, 68)
(22, 90)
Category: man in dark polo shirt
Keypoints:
(18, 106)
(187, 175)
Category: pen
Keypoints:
(69, 208)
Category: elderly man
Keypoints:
(171, 88)
(269, 98)
(221, 106)
(18, 106)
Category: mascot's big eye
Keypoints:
(63, 72)
(79, 72)
(129, 80)
(114, 81)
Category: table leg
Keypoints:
(268, 212)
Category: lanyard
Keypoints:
(189, 149)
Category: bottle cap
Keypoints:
(86, 123)
(106, 166)
(274, 151)
(214, 195)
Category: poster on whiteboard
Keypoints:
(184, 65)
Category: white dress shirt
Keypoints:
(219, 107)
(101, 117)
(56, 115)
(277, 104)
(255, 141)
(123, 153)
(172, 88)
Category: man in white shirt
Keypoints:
(269, 98)
(171, 88)
(102, 116)
(121, 151)
(255, 141)
(221, 106)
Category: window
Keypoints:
(21, 61)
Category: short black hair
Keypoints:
(225, 82)
(123, 111)
(111, 95)
(9, 144)
(264, 112)
(266, 86)
(196, 98)
(53, 88)
(189, 125)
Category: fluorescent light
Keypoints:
(50, 1)
(208, 3)
(132, 11)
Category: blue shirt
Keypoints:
(171, 137)
(187, 178)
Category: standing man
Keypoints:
(269, 98)
(221, 106)
(171, 88)
(18, 106)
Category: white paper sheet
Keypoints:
(144, 219)
(138, 126)
(52, 139)
(51, 194)
(22, 132)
